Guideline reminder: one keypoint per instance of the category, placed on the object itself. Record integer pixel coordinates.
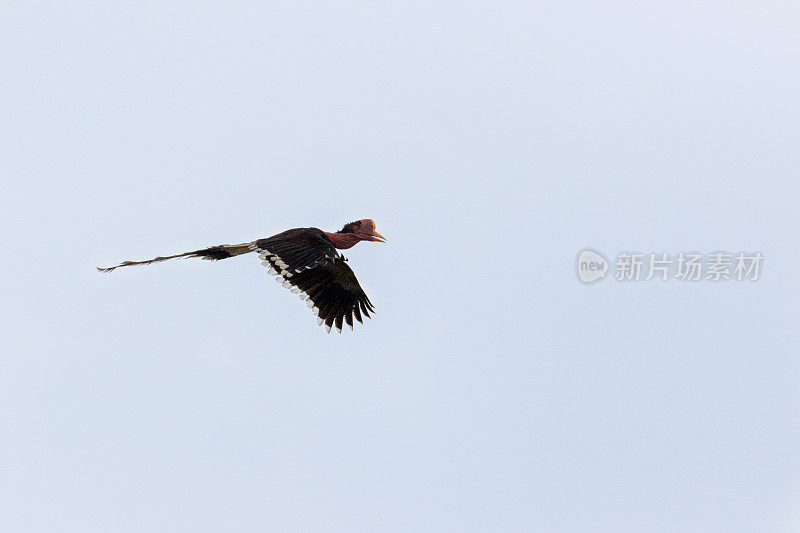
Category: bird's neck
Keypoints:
(342, 241)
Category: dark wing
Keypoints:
(295, 250)
(333, 293)
(305, 260)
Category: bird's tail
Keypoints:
(214, 253)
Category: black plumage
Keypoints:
(306, 261)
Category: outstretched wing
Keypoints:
(305, 261)
(332, 292)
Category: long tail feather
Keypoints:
(214, 253)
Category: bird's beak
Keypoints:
(378, 237)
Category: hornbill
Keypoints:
(305, 260)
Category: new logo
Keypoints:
(591, 266)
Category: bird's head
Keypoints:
(355, 232)
(364, 230)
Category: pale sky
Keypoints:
(491, 143)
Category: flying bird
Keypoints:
(305, 260)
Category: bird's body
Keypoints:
(305, 260)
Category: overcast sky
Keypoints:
(491, 143)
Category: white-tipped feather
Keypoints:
(279, 268)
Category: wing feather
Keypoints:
(332, 288)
